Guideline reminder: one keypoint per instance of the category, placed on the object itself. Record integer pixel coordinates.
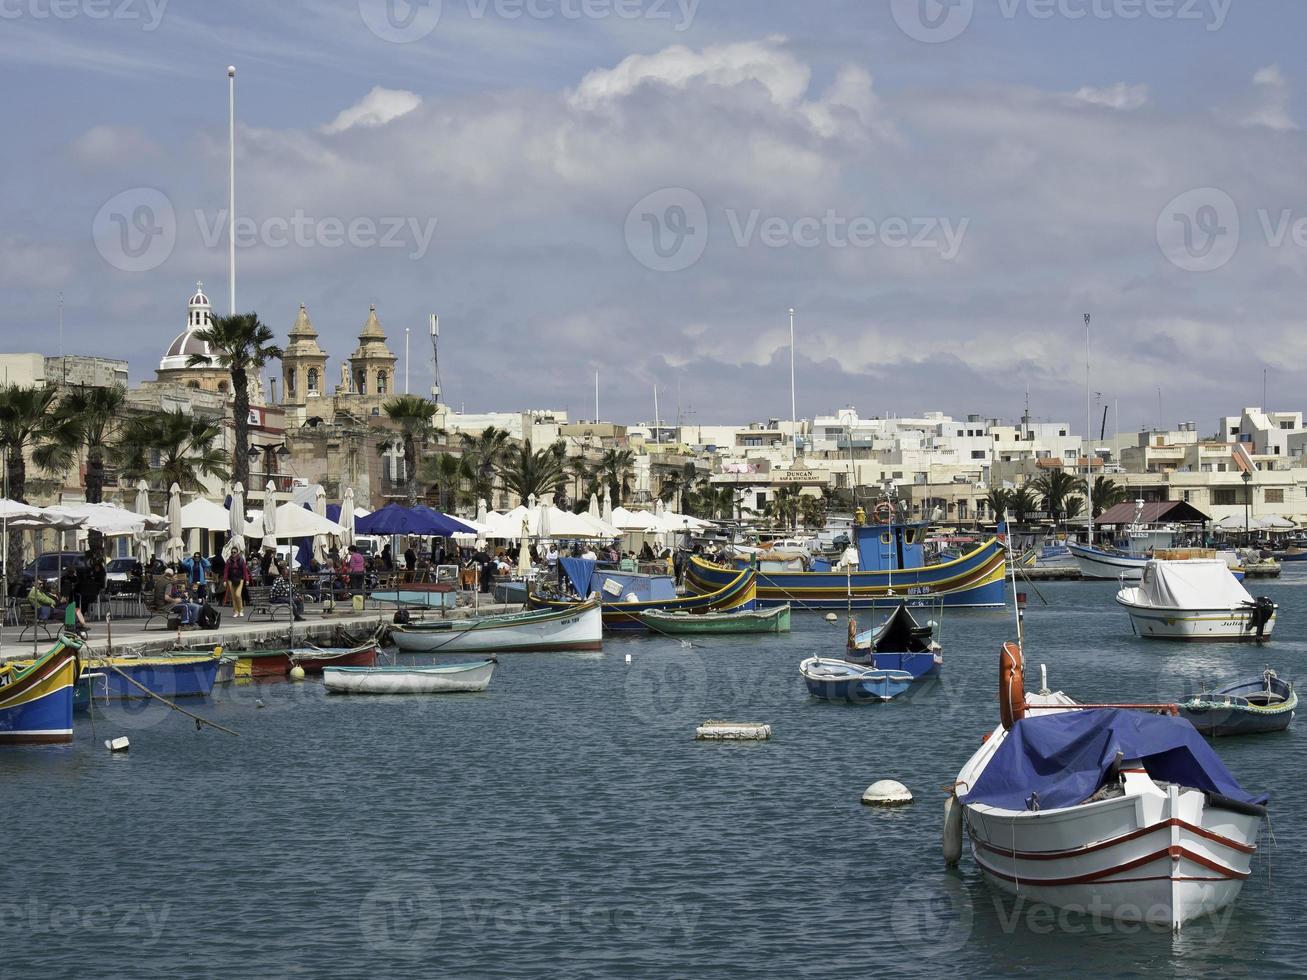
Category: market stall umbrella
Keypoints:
(320, 540)
(175, 548)
(394, 519)
(143, 547)
(347, 521)
(270, 517)
(606, 515)
(523, 552)
(593, 509)
(481, 522)
(236, 521)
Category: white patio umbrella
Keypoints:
(236, 521)
(593, 509)
(269, 516)
(320, 540)
(143, 547)
(481, 521)
(175, 548)
(606, 515)
(347, 519)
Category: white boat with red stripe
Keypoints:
(1141, 847)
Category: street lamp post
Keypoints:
(276, 450)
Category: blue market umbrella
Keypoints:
(394, 519)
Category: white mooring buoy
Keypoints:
(733, 731)
(886, 792)
(831, 617)
(119, 744)
(628, 658)
(297, 673)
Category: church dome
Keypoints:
(199, 316)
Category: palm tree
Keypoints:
(1073, 507)
(997, 502)
(484, 451)
(447, 471)
(812, 512)
(92, 421)
(616, 467)
(526, 471)
(1053, 488)
(581, 473)
(1107, 494)
(29, 425)
(412, 413)
(172, 447)
(671, 487)
(1022, 502)
(242, 344)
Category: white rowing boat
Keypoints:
(1195, 599)
(577, 628)
(437, 679)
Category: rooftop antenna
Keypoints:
(435, 358)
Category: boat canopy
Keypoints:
(1195, 584)
(579, 571)
(1065, 757)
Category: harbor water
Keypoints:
(566, 823)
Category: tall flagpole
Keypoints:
(231, 189)
(1089, 424)
(406, 360)
(794, 416)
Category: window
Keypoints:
(290, 381)
(313, 379)
(1286, 425)
(361, 383)
(381, 382)
(1234, 430)
(978, 454)
(1274, 496)
(897, 475)
(1225, 496)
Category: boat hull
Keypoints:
(775, 620)
(448, 679)
(1097, 564)
(169, 677)
(974, 580)
(836, 680)
(314, 660)
(1162, 860)
(261, 663)
(738, 593)
(1253, 707)
(36, 706)
(1196, 625)
(578, 628)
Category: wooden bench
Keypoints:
(258, 599)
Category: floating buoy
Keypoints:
(258, 703)
(952, 830)
(686, 644)
(831, 617)
(733, 731)
(119, 744)
(886, 792)
(297, 673)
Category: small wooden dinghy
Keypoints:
(436, 679)
(1250, 707)
(315, 659)
(775, 620)
(839, 680)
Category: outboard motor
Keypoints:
(401, 617)
(1261, 610)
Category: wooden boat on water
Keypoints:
(1195, 599)
(1251, 707)
(260, 663)
(1107, 810)
(712, 623)
(437, 679)
(839, 680)
(36, 699)
(315, 659)
(739, 593)
(111, 678)
(898, 643)
(578, 627)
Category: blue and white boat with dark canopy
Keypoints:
(898, 643)
(1265, 703)
(891, 567)
(839, 680)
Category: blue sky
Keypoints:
(940, 212)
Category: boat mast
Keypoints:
(794, 415)
(1089, 422)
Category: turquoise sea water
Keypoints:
(565, 822)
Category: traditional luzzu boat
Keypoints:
(578, 627)
(36, 699)
(622, 603)
(312, 660)
(839, 680)
(260, 663)
(438, 679)
(891, 568)
(1251, 707)
(122, 677)
(775, 620)
(898, 643)
(1195, 599)
(1110, 810)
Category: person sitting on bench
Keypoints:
(42, 602)
(176, 597)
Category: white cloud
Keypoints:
(112, 146)
(377, 108)
(1118, 96)
(1272, 95)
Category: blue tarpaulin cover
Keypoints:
(579, 572)
(394, 519)
(1063, 757)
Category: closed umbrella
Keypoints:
(320, 540)
(523, 553)
(143, 548)
(175, 550)
(236, 521)
(607, 514)
(347, 519)
(270, 516)
(593, 510)
(481, 520)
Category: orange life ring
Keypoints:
(885, 512)
(1011, 686)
